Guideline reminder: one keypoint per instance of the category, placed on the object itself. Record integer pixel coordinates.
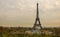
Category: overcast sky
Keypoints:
(14, 13)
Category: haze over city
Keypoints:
(22, 13)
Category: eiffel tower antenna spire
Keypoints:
(37, 20)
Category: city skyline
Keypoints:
(22, 13)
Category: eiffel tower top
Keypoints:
(37, 11)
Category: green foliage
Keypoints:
(26, 35)
(1, 35)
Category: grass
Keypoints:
(25, 35)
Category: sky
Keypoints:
(22, 13)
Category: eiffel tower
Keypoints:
(37, 24)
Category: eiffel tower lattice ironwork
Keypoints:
(37, 21)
